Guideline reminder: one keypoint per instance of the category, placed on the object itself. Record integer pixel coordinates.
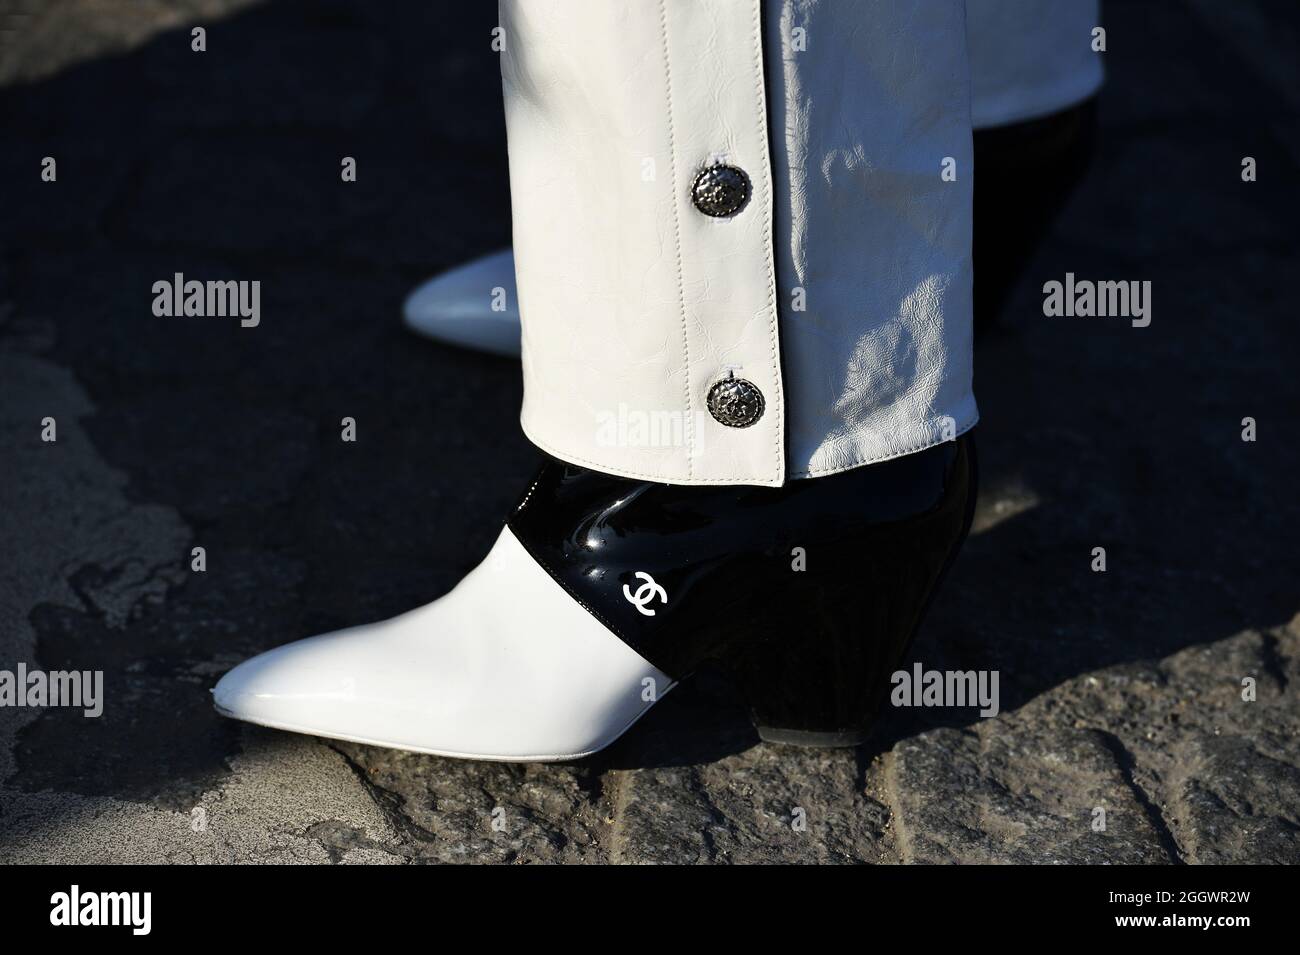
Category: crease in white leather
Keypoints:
(630, 297)
(879, 363)
(506, 666)
(1030, 58)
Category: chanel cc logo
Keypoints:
(645, 593)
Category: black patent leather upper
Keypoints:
(871, 541)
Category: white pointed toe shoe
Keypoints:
(507, 666)
(457, 307)
(602, 592)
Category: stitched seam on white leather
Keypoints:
(677, 236)
(604, 467)
(860, 462)
(765, 146)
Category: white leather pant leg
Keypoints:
(1030, 58)
(840, 290)
(870, 234)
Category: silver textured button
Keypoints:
(735, 402)
(720, 190)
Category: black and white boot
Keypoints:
(602, 593)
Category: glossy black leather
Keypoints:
(812, 648)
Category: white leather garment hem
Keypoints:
(635, 304)
(870, 234)
(507, 666)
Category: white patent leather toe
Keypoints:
(463, 307)
(507, 666)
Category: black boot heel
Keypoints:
(840, 627)
(819, 684)
(807, 594)
(816, 693)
